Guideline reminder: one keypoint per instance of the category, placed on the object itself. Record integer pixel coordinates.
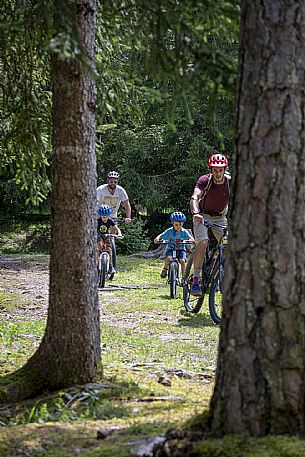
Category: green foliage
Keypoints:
(29, 33)
(159, 166)
(158, 64)
(135, 239)
(25, 102)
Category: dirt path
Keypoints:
(28, 276)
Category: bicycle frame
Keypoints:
(174, 266)
(211, 279)
(104, 260)
(104, 251)
(113, 244)
(174, 259)
(208, 266)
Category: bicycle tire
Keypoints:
(188, 267)
(173, 276)
(215, 298)
(103, 270)
(191, 304)
(113, 248)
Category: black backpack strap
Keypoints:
(207, 188)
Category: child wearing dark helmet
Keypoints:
(174, 234)
(106, 225)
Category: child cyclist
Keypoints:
(106, 225)
(174, 234)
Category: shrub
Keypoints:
(135, 238)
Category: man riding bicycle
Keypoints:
(112, 194)
(209, 202)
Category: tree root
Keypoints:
(42, 373)
(178, 443)
(181, 442)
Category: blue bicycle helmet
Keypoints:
(104, 210)
(177, 216)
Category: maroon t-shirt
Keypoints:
(217, 196)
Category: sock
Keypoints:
(196, 275)
(197, 272)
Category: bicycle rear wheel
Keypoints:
(215, 298)
(173, 276)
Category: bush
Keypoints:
(135, 238)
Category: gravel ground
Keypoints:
(29, 277)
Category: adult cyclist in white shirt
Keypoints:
(113, 195)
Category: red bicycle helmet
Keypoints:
(218, 160)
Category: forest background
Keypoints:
(165, 102)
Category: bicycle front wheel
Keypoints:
(191, 303)
(173, 277)
(215, 298)
(113, 248)
(103, 268)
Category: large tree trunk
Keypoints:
(70, 350)
(260, 377)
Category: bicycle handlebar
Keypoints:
(174, 242)
(110, 235)
(120, 221)
(211, 224)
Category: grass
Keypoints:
(146, 337)
(24, 237)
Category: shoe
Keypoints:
(196, 290)
(112, 270)
(163, 273)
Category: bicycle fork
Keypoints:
(173, 260)
(221, 267)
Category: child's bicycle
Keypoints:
(174, 266)
(104, 260)
(211, 279)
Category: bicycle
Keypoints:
(211, 279)
(174, 266)
(104, 260)
(113, 245)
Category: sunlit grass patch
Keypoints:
(128, 404)
(18, 340)
(10, 301)
(244, 446)
(146, 337)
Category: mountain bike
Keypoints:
(104, 260)
(211, 278)
(113, 245)
(173, 271)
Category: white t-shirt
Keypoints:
(104, 197)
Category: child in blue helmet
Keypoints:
(106, 225)
(172, 234)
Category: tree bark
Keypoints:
(70, 350)
(260, 377)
